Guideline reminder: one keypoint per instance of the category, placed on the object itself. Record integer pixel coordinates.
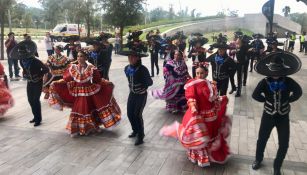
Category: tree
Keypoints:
(53, 11)
(286, 11)
(4, 6)
(171, 12)
(27, 21)
(193, 13)
(158, 14)
(122, 13)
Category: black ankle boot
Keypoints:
(256, 165)
(232, 90)
(133, 134)
(238, 94)
(139, 140)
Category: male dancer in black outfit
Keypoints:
(139, 80)
(276, 91)
(33, 70)
(222, 67)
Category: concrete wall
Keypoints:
(256, 23)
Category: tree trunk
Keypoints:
(121, 31)
(2, 34)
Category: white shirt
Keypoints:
(48, 43)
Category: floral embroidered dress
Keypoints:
(205, 126)
(89, 97)
(6, 99)
(57, 65)
(176, 75)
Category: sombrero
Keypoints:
(135, 34)
(201, 40)
(222, 45)
(24, 49)
(137, 48)
(278, 64)
(258, 35)
(272, 41)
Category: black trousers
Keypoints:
(291, 45)
(105, 70)
(242, 70)
(282, 124)
(34, 91)
(232, 79)
(154, 62)
(302, 46)
(135, 107)
(252, 59)
(222, 86)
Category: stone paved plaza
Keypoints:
(48, 149)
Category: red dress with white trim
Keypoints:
(89, 97)
(205, 126)
(6, 99)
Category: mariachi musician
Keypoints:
(198, 53)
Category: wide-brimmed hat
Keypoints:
(137, 48)
(179, 36)
(272, 41)
(197, 34)
(222, 45)
(246, 38)
(24, 49)
(104, 36)
(258, 35)
(201, 40)
(135, 34)
(278, 64)
(238, 34)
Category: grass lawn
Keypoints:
(228, 33)
(31, 31)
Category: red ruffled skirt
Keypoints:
(88, 111)
(6, 99)
(204, 137)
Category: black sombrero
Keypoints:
(137, 48)
(238, 34)
(271, 41)
(135, 34)
(258, 35)
(179, 35)
(278, 64)
(197, 34)
(222, 45)
(24, 49)
(201, 40)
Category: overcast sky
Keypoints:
(211, 7)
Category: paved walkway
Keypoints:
(48, 149)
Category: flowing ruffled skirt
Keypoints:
(203, 137)
(6, 99)
(89, 111)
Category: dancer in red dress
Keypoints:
(90, 98)
(205, 126)
(6, 99)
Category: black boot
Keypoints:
(133, 134)
(232, 90)
(238, 94)
(277, 172)
(256, 165)
(139, 140)
(157, 71)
